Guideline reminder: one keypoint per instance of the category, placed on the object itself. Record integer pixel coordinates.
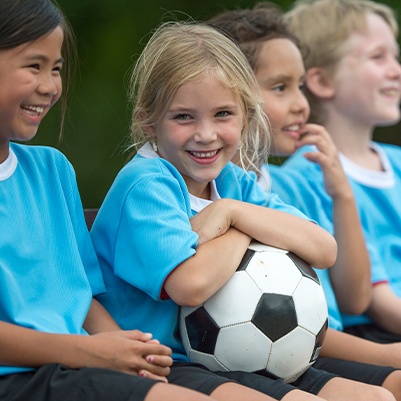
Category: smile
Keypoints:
(204, 155)
(33, 110)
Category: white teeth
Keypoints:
(295, 127)
(204, 155)
(35, 109)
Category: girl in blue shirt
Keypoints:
(180, 215)
(48, 268)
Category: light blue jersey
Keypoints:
(143, 232)
(48, 267)
(377, 196)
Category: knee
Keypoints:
(393, 384)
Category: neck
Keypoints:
(4, 150)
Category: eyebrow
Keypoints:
(41, 57)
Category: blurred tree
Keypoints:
(110, 34)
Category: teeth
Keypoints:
(202, 155)
(295, 127)
(35, 109)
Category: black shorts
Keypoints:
(373, 333)
(57, 382)
(199, 378)
(361, 372)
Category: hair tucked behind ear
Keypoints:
(179, 52)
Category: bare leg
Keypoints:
(236, 392)
(171, 392)
(393, 384)
(339, 389)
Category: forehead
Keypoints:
(377, 32)
(280, 55)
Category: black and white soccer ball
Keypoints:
(270, 317)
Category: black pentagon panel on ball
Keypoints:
(246, 259)
(305, 269)
(275, 315)
(319, 341)
(202, 331)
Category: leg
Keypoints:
(170, 392)
(339, 389)
(237, 392)
(393, 384)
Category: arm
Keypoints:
(153, 359)
(338, 344)
(350, 274)
(385, 308)
(116, 350)
(268, 226)
(199, 277)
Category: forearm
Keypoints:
(338, 344)
(199, 277)
(283, 230)
(26, 347)
(98, 319)
(385, 308)
(350, 275)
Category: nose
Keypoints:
(49, 84)
(395, 69)
(205, 132)
(300, 104)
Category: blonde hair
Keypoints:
(179, 52)
(323, 27)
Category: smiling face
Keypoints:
(367, 83)
(280, 75)
(30, 83)
(200, 132)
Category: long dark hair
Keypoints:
(23, 21)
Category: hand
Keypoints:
(131, 352)
(326, 156)
(212, 221)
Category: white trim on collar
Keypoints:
(197, 204)
(370, 178)
(9, 165)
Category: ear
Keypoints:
(319, 83)
(149, 129)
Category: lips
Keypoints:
(35, 111)
(204, 155)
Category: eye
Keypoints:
(182, 117)
(278, 88)
(34, 66)
(223, 113)
(58, 68)
(302, 86)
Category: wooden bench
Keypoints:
(90, 215)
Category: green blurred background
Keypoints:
(110, 35)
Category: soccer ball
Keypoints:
(270, 318)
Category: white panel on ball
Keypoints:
(249, 355)
(226, 309)
(311, 306)
(287, 361)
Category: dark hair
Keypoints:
(250, 28)
(23, 21)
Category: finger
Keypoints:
(158, 360)
(150, 375)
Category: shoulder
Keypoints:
(38, 154)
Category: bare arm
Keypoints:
(199, 277)
(338, 344)
(350, 274)
(268, 226)
(385, 308)
(153, 360)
